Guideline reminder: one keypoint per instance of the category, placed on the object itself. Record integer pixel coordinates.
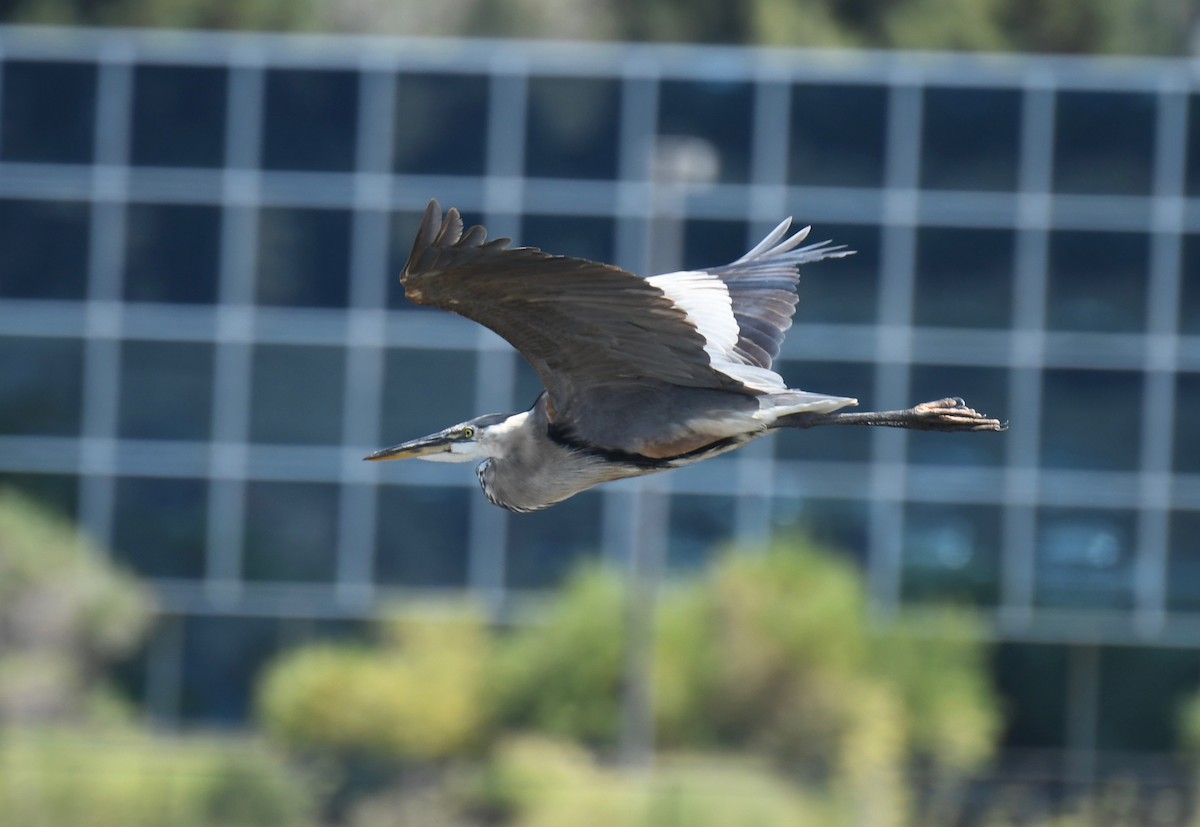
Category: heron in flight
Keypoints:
(641, 374)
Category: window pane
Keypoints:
(572, 128)
(179, 116)
(297, 394)
(719, 112)
(984, 389)
(172, 253)
(712, 243)
(844, 290)
(166, 390)
(826, 444)
(699, 527)
(303, 257)
(46, 112)
(1104, 142)
(1074, 435)
(1183, 564)
(43, 249)
(425, 391)
(569, 235)
(840, 525)
(420, 539)
(41, 383)
(159, 526)
(59, 492)
(310, 119)
(970, 138)
(544, 546)
(1085, 558)
(1193, 150)
(1035, 709)
(1187, 426)
(441, 124)
(291, 531)
(222, 660)
(1130, 675)
(1097, 281)
(837, 135)
(951, 553)
(1189, 306)
(964, 277)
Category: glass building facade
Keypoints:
(202, 333)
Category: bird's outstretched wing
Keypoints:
(585, 326)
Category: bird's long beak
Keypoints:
(438, 443)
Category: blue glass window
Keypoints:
(1187, 427)
(426, 390)
(441, 124)
(837, 136)
(291, 531)
(159, 526)
(172, 253)
(1189, 305)
(1183, 563)
(1097, 281)
(850, 379)
(719, 112)
(543, 547)
(166, 390)
(570, 235)
(43, 249)
(572, 127)
(59, 492)
(970, 138)
(47, 112)
(1104, 142)
(422, 539)
(951, 553)
(1108, 402)
(179, 116)
(310, 120)
(838, 525)
(708, 243)
(41, 386)
(963, 278)
(303, 257)
(1085, 558)
(699, 526)
(297, 394)
(844, 290)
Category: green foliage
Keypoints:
(65, 611)
(419, 696)
(547, 784)
(1081, 26)
(562, 676)
(61, 778)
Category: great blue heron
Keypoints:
(641, 374)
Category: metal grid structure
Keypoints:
(1026, 228)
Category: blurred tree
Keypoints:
(1085, 26)
(65, 612)
(418, 697)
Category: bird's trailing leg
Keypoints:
(950, 414)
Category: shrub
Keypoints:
(61, 778)
(418, 697)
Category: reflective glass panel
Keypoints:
(296, 394)
(47, 112)
(970, 138)
(699, 527)
(441, 124)
(963, 277)
(291, 531)
(166, 390)
(572, 131)
(1085, 558)
(1104, 142)
(951, 553)
(43, 249)
(837, 136)
(544, 546)
(303, 257)
(159, 526)
(310, 118)
(41, 386)
(172, 253)
(422, 536)
(718, 112)
(1090, 419)
(1097, 281)
(179, 116)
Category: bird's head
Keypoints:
(473, 440)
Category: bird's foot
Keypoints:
(951, 414)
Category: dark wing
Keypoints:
(762, 285)
(581, 324)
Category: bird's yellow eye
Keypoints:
(468, 432)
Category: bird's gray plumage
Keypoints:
(640, 374)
